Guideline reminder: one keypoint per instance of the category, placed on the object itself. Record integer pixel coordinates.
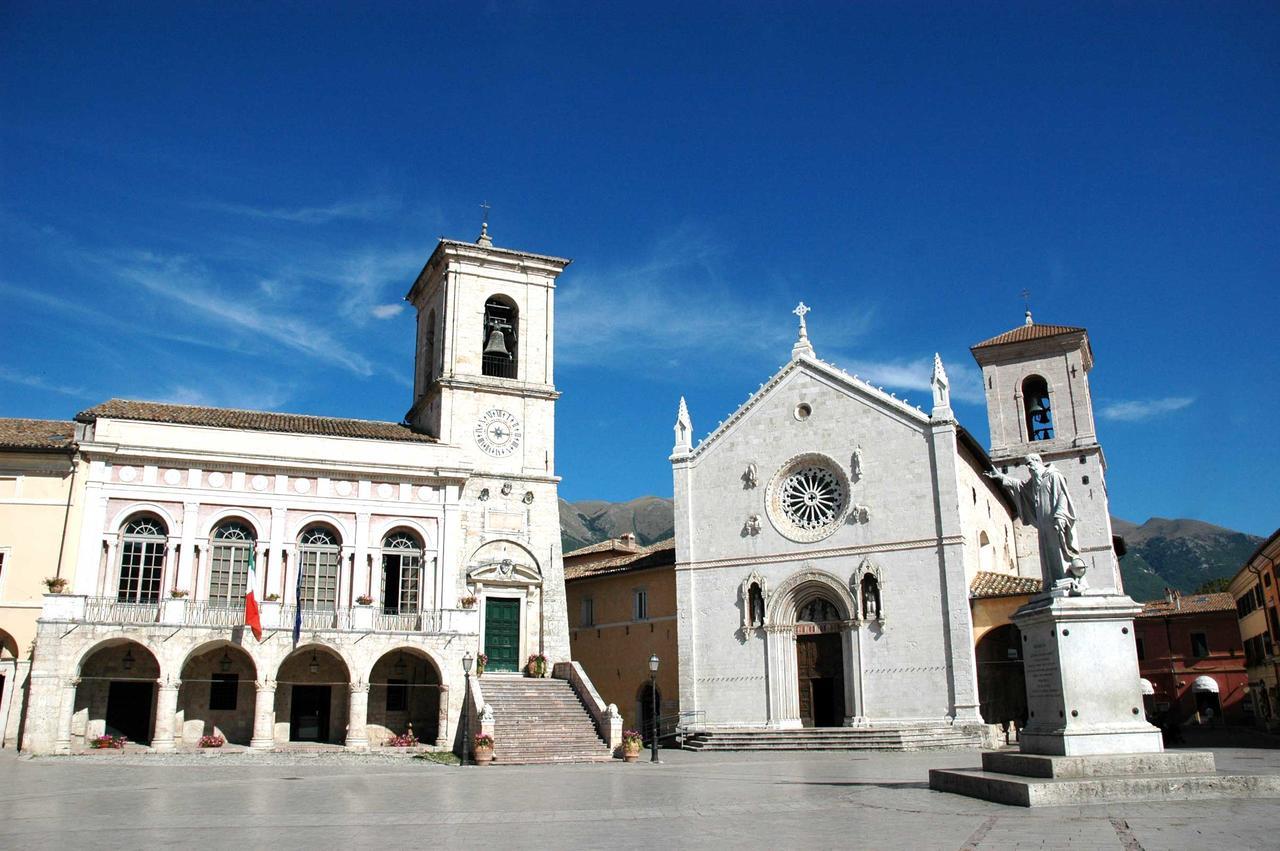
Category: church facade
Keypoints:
(828, 536)
(380, 553)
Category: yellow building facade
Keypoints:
(39, 508)
(622, 610)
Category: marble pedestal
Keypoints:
(1081, 667)
(1086, 740)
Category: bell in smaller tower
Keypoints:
(497, 343)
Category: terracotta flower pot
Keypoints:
(630, 753)
(484, 756)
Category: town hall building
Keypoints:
(393, 551)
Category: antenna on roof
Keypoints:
(485, 239)
(1026, 303)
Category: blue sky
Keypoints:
(225, 204)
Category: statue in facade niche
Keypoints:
(1043, 502)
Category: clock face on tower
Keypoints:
(497, 433)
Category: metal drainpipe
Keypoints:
(66, 514)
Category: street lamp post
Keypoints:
(653, 692)
(467, 660)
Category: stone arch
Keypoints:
(213, 698)
(408, 524)
(346, 535)
(173, 525)
(8, 644)
(116, 691)
(802, 586)
(244, 515)
(496, 546)
(407, 694)
(1002, 689)
(313, 694)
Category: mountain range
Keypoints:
(1182, 554)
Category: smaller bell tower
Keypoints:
(1036, 379)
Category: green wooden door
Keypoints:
(502, 634)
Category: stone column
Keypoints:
(166, 716)
(66, 710)
(357, 717)
(264, 716)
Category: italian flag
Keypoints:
(251, 618)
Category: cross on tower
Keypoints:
(1026, 303)
(801, 310)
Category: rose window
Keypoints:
(808, 498)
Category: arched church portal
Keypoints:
(811, 652)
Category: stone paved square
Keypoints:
(722, 800)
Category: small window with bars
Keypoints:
(588, 612)
(640, 604)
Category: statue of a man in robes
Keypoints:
(1043, 502)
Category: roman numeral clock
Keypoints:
(497, 433)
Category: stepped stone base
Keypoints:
(913, 738)
(1034, 780)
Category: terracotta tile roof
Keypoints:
(1189, 605)
(1027, 332)
(660, 554)
(604, 547)
(164, 412)
(989, 584)
(36, 434)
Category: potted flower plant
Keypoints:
(272, 598)
(56, 584)
(482, 659)
(107, 742)
(212, 741)
(483, 749)
(537, 665)
(364, 600)
(404, 740)
(177, 593)
(468, 602)
(632, 743)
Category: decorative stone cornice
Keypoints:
(835, 552)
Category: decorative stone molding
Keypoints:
(751, 478)
(483, 496)
(528, 497)
(855, 465)
(784, 602)
(503, 562)
(867, 585)
(506, 488)
(752, 526)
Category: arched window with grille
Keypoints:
(318, 559)
(500, 355)
(230, 552)
(1038, 411)
(401, 574)
(142, 553)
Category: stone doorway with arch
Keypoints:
(811, 652)
(1002, 689)
(406, 696)
(116, 692)
(313, 686)
(217, 694)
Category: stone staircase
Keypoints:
(913, 738)
(540, 721)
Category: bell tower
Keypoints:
(1036, 379)
(483, 376)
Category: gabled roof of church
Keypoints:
(1023, 333)
(990, 584)
(40, 435)
(890, 400)
(236, 418)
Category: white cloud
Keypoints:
(374, 207)
(14, 376)
(184, 285)
(386, 311)
(915, 375)
(1135, 410)
(218, 392)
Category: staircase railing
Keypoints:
(607, 718)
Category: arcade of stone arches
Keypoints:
(259, 698)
